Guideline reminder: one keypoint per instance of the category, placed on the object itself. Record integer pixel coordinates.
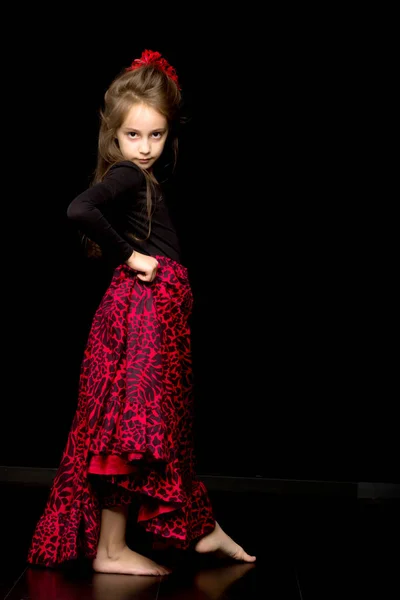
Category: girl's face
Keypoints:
(142, 135)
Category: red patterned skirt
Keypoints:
(133, 428)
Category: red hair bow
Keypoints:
(154, 58)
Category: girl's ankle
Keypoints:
(111, 551)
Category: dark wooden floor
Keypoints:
(306, 546)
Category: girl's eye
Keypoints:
(157, 135)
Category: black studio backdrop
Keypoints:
(289, 380)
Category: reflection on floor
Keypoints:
(306, 547)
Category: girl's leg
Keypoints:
(113, 554)
(219, 542)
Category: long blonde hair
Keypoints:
(148, 85)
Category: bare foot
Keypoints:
(106, 586)
(219, 542)
(127, 562)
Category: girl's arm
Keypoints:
(87, 210)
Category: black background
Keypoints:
(292, 315)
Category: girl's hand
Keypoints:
(146, 266)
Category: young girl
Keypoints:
(130, 446)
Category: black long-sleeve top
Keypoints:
(112, 211)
